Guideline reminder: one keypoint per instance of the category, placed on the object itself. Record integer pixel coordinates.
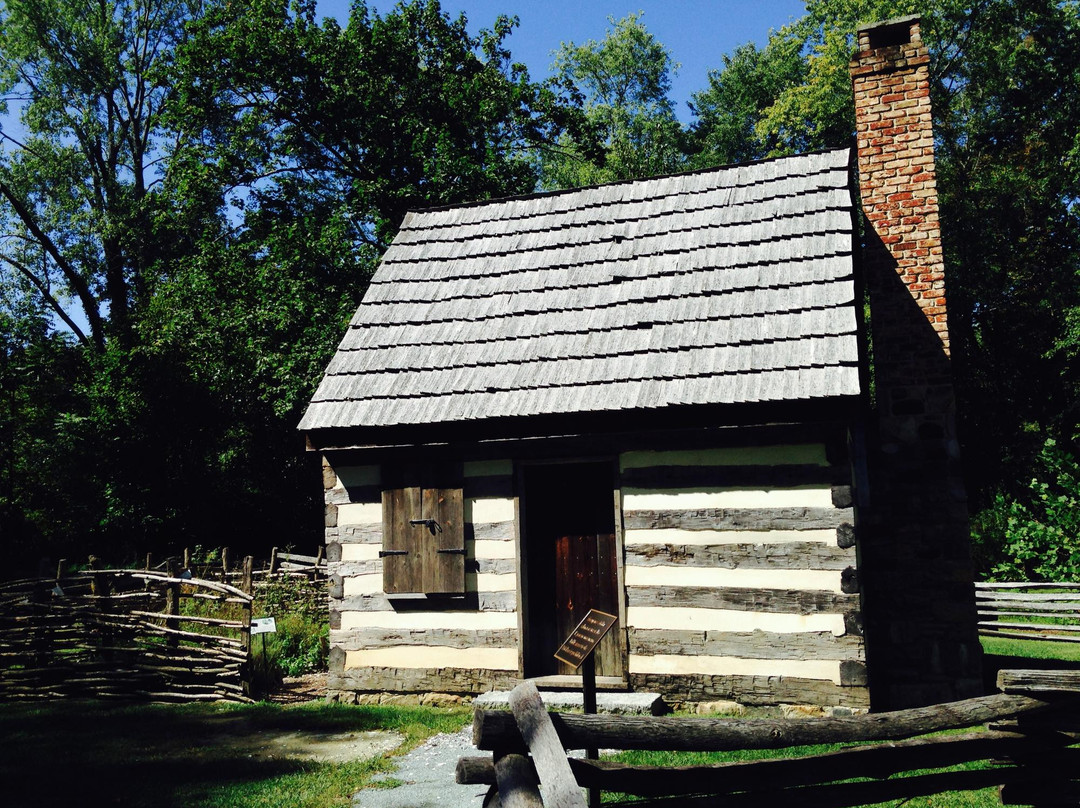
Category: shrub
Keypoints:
(301, 643)
(1035, 537)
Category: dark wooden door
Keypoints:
(571, 559)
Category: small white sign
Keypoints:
(263, 625)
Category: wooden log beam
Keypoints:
(878, 761)
(533, 723)
(517, 782)
(494, 729)
(1040, 683)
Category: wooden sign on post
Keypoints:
(577, 650)
(584, 639)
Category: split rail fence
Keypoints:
(1029, 611)
(1025, 750)
(125, 634)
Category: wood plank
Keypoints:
(739, 519)
(779, 601)
(560, 788)
(751, 690)
(784, 556)
(497, 730)
(357, 534)
(746, 644)
(358, 639)
(1036, 682)
(1018, 635)
(444, 558)
(421, 680)
(490, 531)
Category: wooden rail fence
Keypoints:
(135, 634)
(1029, 611)
(1025, 750)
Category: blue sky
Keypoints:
(697, 32)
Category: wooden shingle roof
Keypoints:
(731, 285)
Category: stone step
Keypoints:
(606, 702)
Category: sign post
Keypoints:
(578, 650)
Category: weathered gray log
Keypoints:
(878, 761)
(420, 680)
(489, 531)
(534, 725)
(781, 555)
(745, 644)
(517, 782)
(497, 730)
(358, 639)
(738, 519)
(783, 601)
(1020, 635)
(1038, 682)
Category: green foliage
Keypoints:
(301, 643)
(1036, 537)
(201, 197)
(625, 80)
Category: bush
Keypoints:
(1035, 537)
(301, 643)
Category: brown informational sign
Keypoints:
(584, 639)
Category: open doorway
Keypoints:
(571, 562)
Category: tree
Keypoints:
(1006, 94)
(625, 80)
(728, 111)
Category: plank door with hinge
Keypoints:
(572, 562)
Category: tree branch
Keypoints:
(54, 304)
(78, 284)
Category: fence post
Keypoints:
(245, 579)
(273, 561)
(224, 565)
(172, 606)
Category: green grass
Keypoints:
(983, 798)
(1032, 649)
(199, 756)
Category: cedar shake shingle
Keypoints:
(729, 285)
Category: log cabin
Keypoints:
(657, 398)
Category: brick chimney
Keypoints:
(915, 564)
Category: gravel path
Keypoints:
(428, 774)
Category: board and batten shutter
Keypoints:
(423, 531)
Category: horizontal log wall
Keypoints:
(741, 577)
(414, 644)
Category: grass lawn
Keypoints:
(1014, 653)
(1031, 649)
(87, 754)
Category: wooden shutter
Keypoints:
(428, 557)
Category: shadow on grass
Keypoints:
(82, 754)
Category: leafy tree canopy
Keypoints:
(626, 82)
